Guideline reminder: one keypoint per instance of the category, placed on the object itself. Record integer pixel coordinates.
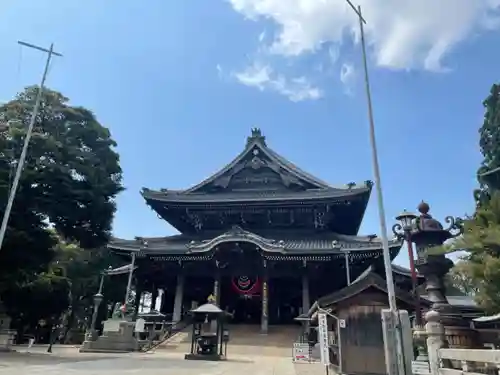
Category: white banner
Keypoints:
(323, 338)
(301, 352)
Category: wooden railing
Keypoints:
(469, 361)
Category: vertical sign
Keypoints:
(264, 299)
(323, 338)
(216, 291)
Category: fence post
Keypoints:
(435, 340)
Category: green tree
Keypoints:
(489, 141)
(83, 268)
(69, 183)
(461, 279)
(478, 272)
(72, 174)
(43, 298)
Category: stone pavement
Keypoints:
(67, 361)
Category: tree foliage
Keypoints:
(461, 279)
(45, 297)
(83, 269)
(72, 174)
(66, 196)
(478, 271)
(489, 142)
(490, 131)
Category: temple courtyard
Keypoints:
(67, 360)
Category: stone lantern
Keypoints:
(427, 233)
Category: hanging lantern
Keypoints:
(246, 285)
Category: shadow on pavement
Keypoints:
(11, 358)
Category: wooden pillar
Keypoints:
(179, 291)
(264, 324)
(306, 301)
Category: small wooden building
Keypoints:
(359, 345)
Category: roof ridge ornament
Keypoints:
(256, 136)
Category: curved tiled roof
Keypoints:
(404, 271)
(256, 145)
(258, 141)
(257, 196)
(282, 243)
(369, 278)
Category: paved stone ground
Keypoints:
(67, 361)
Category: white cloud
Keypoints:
(347, 76)
(265, 79)
(404, 34)
(262, 35)
(333, 54)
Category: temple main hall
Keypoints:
(261, 237)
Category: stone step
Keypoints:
(244, 339)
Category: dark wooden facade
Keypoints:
(259, 220)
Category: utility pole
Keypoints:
(22, 158)
(393, 340)
(376, 168)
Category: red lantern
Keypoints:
(246, 285)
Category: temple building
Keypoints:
(264, 238)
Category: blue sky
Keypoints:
(180, 84)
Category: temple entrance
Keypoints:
(242, 297)
(247, 310)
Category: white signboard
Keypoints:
(420, 368)
(341, 323)
(323, 338)
(301, 352)
(139, 325)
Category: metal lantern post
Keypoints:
(403, 230)
(98, 297)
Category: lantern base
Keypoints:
(205, 357)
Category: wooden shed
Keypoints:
(359, 345)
